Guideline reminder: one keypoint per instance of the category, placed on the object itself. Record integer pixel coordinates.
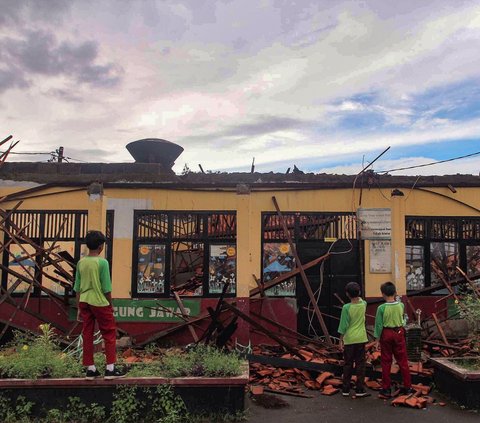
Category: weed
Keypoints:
(17, 411)
(202, 361)
(146, 370)
(37, 357)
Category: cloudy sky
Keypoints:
(322, 84)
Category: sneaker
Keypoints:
(346, 392)
(360, 393)
(116, 373)
(92, 374)
(407, 391)
(385, 394)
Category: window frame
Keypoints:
(77, 232)
(428, 237)
(297, 233)
(169, 237)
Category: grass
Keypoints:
(469, 363)
(34, 357)
(37, 357)
(200, 361)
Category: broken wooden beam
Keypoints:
(184, 313)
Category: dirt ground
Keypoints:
(336, 409)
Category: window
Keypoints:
(61, 230)
(192, 253)
(443, 261)
(277, 260)
(473, 259)
(151, 268)
(277, 257)
(222, 268)
(436, 246)
(415, 267)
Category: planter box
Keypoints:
(459, 383)
(200, 394)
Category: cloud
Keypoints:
(39, 53)
(316, 82)
(15, 11)
(463, 166)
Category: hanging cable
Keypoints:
(431, 163)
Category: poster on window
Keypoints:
(151, 269)
(415, 271)
(222, 268)
(277, 260)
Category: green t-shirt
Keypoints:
(389, 315)
(352, 323)
(92, 281)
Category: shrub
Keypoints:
(41, 357)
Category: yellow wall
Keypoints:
(249, 208)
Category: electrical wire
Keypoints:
(431, 163)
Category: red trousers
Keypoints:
(393, 343)
(106, 323)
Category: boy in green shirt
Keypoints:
(389, 330)
(353, 337)
(93, 289)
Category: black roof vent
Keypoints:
(155, 150)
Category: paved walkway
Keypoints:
(338, 409)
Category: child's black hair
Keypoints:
(352, 289)
(388, 289)
(94, 239)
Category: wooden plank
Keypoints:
(285, 276)
(256, 325)
(184, 313)
(440, 329)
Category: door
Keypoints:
(338, 270)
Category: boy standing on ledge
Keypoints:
(93, 289)
(389, 329)
(353, 336)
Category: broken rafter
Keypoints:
(260, 328)
(184, 313)
(286, 276)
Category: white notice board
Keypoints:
(380, 256)
(375, 223)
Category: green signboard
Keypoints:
(127, 310)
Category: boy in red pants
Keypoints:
(389, 330)
(93, 289)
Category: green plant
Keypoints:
(16, 411)
(160, 405)
(125, 406)
(202, 361)
(469, 308)
(151, 349)
(146, 370)
(40, 357)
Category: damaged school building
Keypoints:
(268, 243)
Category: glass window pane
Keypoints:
(443, 261)
(151, 269)
(473, 259)
(21, 265)
(187, 268)
(222, 268)
(67, 250)
(277, 260)
(415, 267)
